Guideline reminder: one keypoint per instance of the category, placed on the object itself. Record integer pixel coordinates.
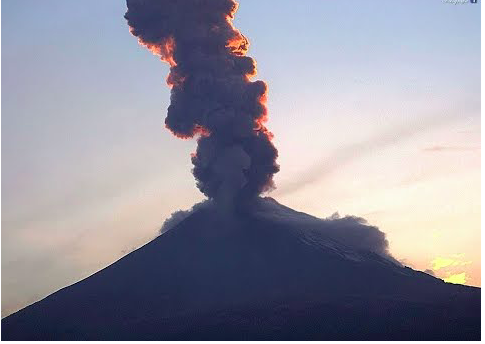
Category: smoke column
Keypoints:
(212, 95)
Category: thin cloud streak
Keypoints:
(449, 148)
(349, 153)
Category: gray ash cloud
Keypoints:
(212, 95)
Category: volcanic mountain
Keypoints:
(267, 272)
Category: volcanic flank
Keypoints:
(240, 266)
(270, 273)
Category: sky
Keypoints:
(375, 108)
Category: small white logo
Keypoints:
(460, 2)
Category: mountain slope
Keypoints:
(266, 274)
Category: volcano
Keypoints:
(264, 273)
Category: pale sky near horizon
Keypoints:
(375, 108)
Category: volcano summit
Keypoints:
(270, 273)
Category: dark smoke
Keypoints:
(214, 99)
(180, 215)
(353, 232)
(350, 232)
(212, 96)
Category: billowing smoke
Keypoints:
(349, 233)
(214, 99)
(212, 96)
(180, 215)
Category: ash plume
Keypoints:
(349, 232)
(212, 95)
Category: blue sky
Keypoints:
(376, 103)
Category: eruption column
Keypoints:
(212, 95)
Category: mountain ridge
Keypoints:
(214, 270)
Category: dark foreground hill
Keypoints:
(270, 273)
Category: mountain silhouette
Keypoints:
(265, 273)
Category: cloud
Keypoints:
(443, 262)
(212, 95)
(449, 148)
(457, 278)
(342, 233)
(357, 150)
(180, 215)
(351, 231)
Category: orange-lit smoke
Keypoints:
(213, 96)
